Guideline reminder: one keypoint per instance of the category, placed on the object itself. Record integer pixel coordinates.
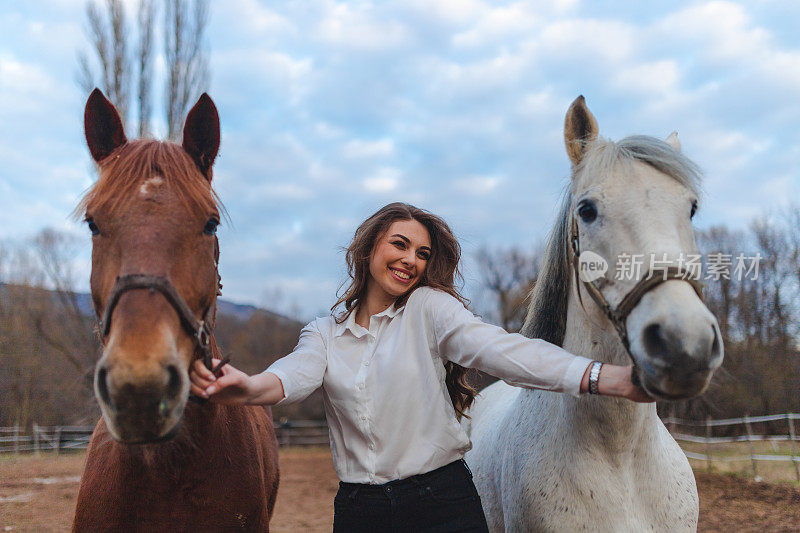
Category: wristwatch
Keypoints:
(594, 377)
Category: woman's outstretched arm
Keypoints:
(463, 338)
(291, 378)
(234, 386)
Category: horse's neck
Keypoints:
(614, 424)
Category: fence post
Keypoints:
(16, 439)
(36, 438)
(672, 421)
(750, 444)
(708, 443)
(792, 437)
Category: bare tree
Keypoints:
(185, 56)
(187, 64)
(70, 329)
(508, 274)
(108, 34)
(721, 295)
(47, 344)
(146, 20)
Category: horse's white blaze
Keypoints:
(553, 462)
(150, 185)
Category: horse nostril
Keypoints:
(174, 383)
(654, 343)
(102, 386)
(715, 346)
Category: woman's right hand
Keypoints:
(232, 387)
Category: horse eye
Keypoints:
(92, 226)
(587, 211)
(211, 226)
(694, 210)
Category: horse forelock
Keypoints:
(604, 156)
(547, 313)
(123, 172)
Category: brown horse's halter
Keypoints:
(199, 330)
(618, 315)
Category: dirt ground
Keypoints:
(38, 494)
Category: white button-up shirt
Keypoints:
(388, 409)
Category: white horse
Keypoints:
(553, 462)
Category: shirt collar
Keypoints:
(359, 331)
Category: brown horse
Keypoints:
(156, 462)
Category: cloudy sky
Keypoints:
(332, 109)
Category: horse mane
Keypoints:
(123, 170)
(547, 313)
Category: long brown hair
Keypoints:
(441, 273)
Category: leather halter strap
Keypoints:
(199, 330)
(619, 315)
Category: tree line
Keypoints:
(49, 342)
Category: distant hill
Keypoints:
(224, 307)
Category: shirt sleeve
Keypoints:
(301, 371)
(463, 338)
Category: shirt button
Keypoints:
(363, 418)
(361, 386)
(366, 363)
(371, 446)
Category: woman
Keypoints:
(392, 368)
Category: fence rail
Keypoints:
(315, 433)
(709, 441)
(60, 439)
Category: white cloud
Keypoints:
(277, 72)
(498, 26)
(359, 149)
(650, 79)
(22, 80)
(724, 31)
(588, 39)
(448, 12)
(477, 185)
(384, 180)
(361, 27)
(257, 18)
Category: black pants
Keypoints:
(443, 500)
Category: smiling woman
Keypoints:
(392, 366)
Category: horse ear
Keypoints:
(102, 126)
(673, 141)
(580, 127)
(201, 134)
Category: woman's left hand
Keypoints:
(616, 380)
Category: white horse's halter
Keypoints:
(619, 314)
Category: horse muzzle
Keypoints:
(141, 407)
(677, 361)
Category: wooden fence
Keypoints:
(701, 433)
(56, 438)
(65, 438)
(690, 434)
